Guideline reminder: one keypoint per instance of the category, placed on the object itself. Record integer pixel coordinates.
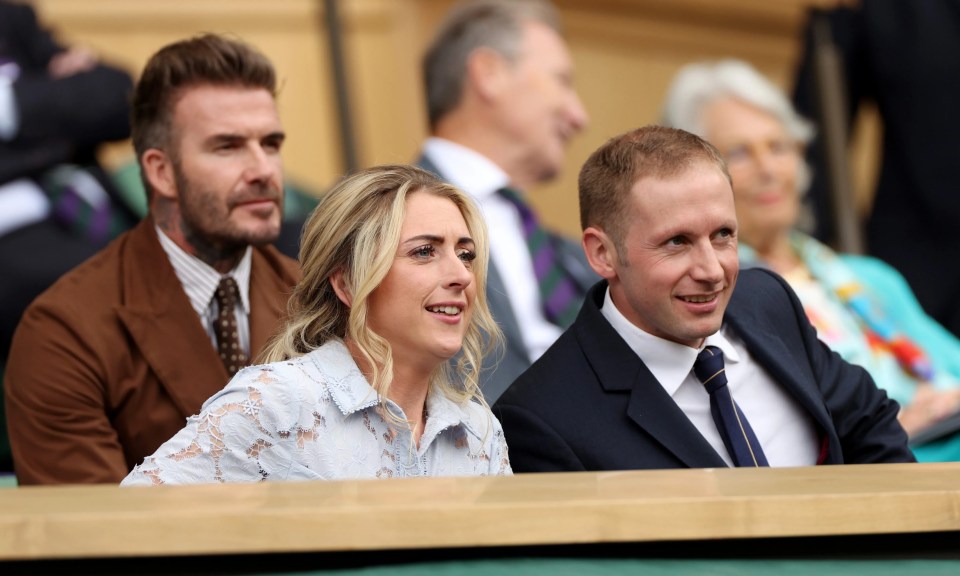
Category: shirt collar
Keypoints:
(200, 280)
(351, 391)
(669, 362)
(465, 168)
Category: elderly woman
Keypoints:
(358, 384)
(861, 307)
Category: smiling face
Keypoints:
(541, 109)
(227, 168)
(424, 304)
(764, 163)
(676, 272)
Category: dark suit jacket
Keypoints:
(61, 119)
(498, 371)
(904, 56)
(109, 362)
(590, 403)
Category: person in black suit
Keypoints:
(904, 56)
(57, 105)
(617, 391)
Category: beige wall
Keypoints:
(625, 51)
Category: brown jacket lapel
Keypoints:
(164, 326)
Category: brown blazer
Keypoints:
(108, 363)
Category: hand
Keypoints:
(928, 407)
(70, 62)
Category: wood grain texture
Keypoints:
(533, 509)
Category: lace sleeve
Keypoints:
(224, 442)
(500, 458)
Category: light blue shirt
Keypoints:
(316, 417)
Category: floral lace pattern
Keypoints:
(316, 417)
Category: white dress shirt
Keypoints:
(9, 120)
(786, 433)
(480, 178)
(22, 203)
(200, 281)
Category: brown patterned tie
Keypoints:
(225, 326)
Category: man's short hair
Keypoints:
(609, 174)
(495, 24)
(203, 60)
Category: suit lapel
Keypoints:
(429, 166)
(620, 370)
(502, 311)
(769, 350)
(165, 328)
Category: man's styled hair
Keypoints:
(609, 174)
(203, 60)
(472, 24)
(355, 230)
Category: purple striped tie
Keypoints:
(558, 292)
(88, 214)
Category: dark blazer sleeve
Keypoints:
(85, 109)
(863, 418)
(60, 119)
(533, 444)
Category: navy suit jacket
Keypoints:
(499, 370)
(590, 403)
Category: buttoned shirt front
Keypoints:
(317, 417)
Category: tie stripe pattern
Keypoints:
(737, 435)
(225, 326)
(558, 291)
(82, 205)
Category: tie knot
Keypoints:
(227, 293)
(511, 195)
(709, 368)
(514, 197)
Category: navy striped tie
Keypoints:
(738, 436)
(558, 292)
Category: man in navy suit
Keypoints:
(617, 391)
(502, 108)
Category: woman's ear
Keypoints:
(340, 288)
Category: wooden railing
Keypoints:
(43, 523)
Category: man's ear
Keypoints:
(340, 288)
(487, 72)
(157, 166)
(601, 252)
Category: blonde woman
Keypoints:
(358, 383)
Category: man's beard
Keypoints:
(204, 220)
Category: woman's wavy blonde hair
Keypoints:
(356, 230)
